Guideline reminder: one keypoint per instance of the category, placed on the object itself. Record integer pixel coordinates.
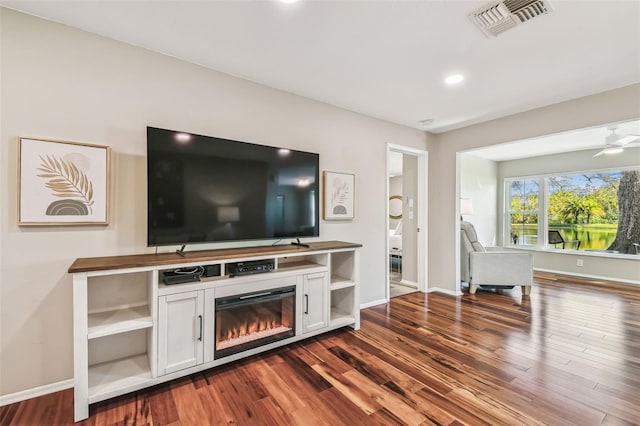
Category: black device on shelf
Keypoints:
(251, 267)
(182, 275)
(203, 189)
(211, 270)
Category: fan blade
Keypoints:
(627, 140)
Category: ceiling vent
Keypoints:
(497, 17)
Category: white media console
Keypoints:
(132, 331)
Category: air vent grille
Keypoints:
(497, 17)
(526, 9)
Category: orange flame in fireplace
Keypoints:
(249, 327)
(235, 327)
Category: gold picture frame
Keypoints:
(62, 183)
(339, 195)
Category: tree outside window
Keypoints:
(584, 207)
(524, 196)
(628, 232)
(601, 210)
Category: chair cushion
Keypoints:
(470, 233)
(477, 246)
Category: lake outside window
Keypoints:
(524, 204)
(584, 207)
(584, 211)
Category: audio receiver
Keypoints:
(251, 267)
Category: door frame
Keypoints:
(422, 213)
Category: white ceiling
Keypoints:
(385, 59)
(575, 140)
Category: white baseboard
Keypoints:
(409, 283)
(35, 392)
(595, 277)
(374, 303)
(445, 291)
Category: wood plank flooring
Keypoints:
(569, 354)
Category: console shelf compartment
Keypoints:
(107, 323)
(339, 318)
(115, 377)
(293, 262)
(338, 282)
(293, 265)
(344, 308)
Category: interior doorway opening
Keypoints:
(406, 220)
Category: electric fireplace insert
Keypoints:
(250, 320)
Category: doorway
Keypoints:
(406, 220)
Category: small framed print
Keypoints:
(62, 183)
(339, 195)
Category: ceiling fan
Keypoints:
(615, 143)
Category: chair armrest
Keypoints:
(501, 268)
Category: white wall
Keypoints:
(479, 182)
(62, 83)
(612, 106)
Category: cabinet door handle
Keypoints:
(306, 304)
(200, 319)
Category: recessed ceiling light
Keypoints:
(454, 79)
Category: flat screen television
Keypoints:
(203, 189)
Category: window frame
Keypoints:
(542, 243)
(508, 212)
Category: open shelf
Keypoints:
(340, 318)
(298, 264)
(115, 377)
(118, 321)
(343, 308)
(338, 282)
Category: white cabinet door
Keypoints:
(180, 331)
(315, 306)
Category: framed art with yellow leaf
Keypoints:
(62, 183)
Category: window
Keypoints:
(575, 211)
(584, 208)
(524, 204)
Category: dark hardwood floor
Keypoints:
(569, 354)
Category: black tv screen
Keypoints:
(203, 189)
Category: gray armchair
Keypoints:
(492, 266)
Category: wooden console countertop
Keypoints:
(88, 264)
